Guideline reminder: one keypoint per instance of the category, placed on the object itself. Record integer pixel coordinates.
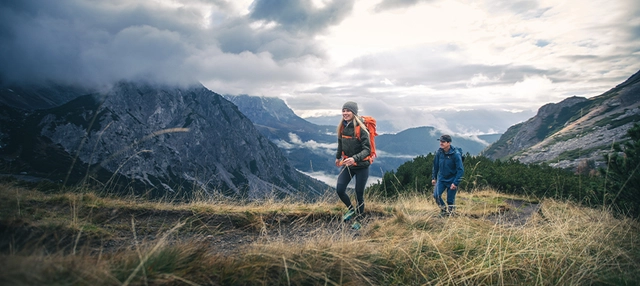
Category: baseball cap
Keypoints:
(445, 138)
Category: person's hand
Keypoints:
(349, 161)
(453, 187)
(338, 162)
(433, 182)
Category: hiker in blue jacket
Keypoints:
(351, 156)
(446, 175)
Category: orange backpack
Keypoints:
(370, 123)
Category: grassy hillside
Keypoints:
(78, 237)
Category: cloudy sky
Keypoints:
(403, 61)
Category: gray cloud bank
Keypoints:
(93, 42)
(276, 48)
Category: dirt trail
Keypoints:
(124, 229)
(515, 213)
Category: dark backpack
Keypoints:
(455, 150)
(459, 150)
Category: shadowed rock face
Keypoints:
(163, 138)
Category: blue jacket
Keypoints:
(447, 167)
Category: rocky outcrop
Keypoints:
(534, 130)
(163, 138)
(574, 131)
(273, 117)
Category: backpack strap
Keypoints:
(357, 131)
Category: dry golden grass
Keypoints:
(81, 238)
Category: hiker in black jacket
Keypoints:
(351, 156)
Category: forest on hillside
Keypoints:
(616, 186)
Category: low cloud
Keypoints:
(331, 179)
(295, 143)
(383, 154)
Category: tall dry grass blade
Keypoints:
(115, 173)
(444, 262)
(132, 145)
(160, 243)
(93, 151)
(414, 263)
(172, 276)
(137, 245)
(286, 270)
(75, 244)
(82, 141)
(625, 184)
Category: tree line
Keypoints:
(616, 185)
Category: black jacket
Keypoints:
(352, 147)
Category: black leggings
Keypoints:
(361, 181)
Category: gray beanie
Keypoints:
(351, 106)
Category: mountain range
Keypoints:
(162, 139)
(477, 121)
(171, 139)
(311, 148)
(574, 133)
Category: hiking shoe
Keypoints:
(444, 213)
(346, 217)
(356, 225)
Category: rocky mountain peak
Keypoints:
(554, 109)
(164, 138)
(574, 131)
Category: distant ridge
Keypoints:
(576, 131)
(276, 120)
(40, 96)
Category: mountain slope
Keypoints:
(423, 140)
(163, 138)
(574, 131)
(276, 120)
(42, 96)
(309, 147)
